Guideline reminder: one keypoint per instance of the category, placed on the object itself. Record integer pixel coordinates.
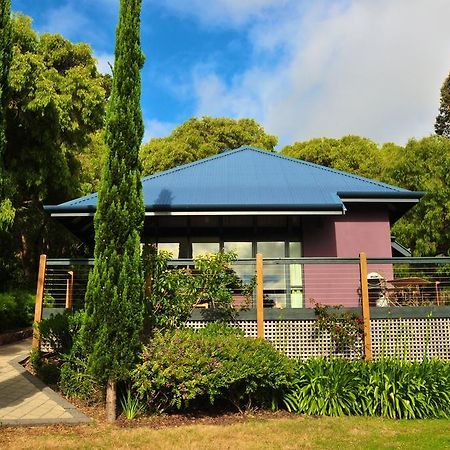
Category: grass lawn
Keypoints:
(285, 433)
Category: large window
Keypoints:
(273, 236)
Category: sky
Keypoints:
(301, 68)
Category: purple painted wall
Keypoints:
(343, 236)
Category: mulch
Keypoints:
(157, 421)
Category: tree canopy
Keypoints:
(442, 124)
(55, 100)
(422, 165)
(6, 208)
(352, 154)
(199, 138)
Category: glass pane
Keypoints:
(172, 247)
(274, 300)
(296, 298)
(271, 249)
(243, 249)
(201, 248)
(295, 249)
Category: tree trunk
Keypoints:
(111, 401)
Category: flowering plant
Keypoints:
(346, 328)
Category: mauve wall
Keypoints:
(343, 236)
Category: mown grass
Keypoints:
(287, 433)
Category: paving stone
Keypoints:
(26, 400)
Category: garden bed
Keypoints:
(10, 337)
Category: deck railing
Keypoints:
(401, 292)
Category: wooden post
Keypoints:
(365, 306)
(259, 295)
(39, 300)
(437, 288)
(69, 290)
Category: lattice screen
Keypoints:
(404, 338)
(411, 338)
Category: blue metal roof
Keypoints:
(251, 179)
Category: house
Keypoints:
(251, 200)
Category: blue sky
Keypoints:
(301, 68)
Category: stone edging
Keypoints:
(77, 416)
(14, 336)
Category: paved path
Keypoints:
(24, 399)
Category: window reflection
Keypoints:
(201, 248)
(172, 247)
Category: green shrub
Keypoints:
(16, 310)
(76, 381)
(35, 359)
(184, 367)
(49, 372)
(59, 330)
(390, 388)
(171, 294)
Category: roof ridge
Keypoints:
(337, 171)
(223, 153)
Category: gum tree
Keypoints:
(114, 298)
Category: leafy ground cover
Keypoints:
(244, 432)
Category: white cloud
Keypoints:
(157, 128)
(362, 67)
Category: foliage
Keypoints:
(6, 208)
(181, 368)
(55, 100)
(48, 301)
(49, 372)
(115, 293)
(324, 387)
(346, 329)
(391, 388)
(92, 159)
(171, 294)
(214, 283)
(16, 310)
(59, 330)
(442, 124)
(424, 165)
(131, 405)
(35, 359)
(352, 154)
(199, 138)
(75, 379)
(399, 389)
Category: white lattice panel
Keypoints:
(411, 338)
(295, 338)
(249, 327)
(301, 339)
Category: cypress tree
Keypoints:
(442, 124)
(6, 210)
(112, 329)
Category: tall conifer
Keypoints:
(442, 124)
(6, 210)
(114, 298)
